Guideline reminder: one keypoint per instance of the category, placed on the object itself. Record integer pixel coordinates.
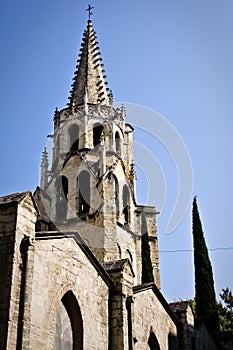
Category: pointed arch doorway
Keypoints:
(69, 324)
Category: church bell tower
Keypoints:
(90, 186)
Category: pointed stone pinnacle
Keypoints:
(45, 159)
(89, 75)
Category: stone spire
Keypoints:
(88, 81)
(44, 169)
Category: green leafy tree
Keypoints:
(204, 283)
(147, 269)
(225, 310)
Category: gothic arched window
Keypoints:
(73, 137)
(153, 342)
(97, 131)
(62, 197)
(84, 192)
(69, 324)
(118, 143)
(126, 204)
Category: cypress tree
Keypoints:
(147, 269)
(204, 283)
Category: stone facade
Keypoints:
(51, 271)
(58, 265)
(71, 256)
(157, 318)
(185, 315)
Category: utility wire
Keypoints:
(192, 250)
(54, 248)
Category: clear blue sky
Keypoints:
(175, 57)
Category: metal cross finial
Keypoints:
(89, 11)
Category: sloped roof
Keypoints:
(179, 305)
(117, 265)
(14, 197)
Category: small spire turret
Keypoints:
(123, 111)
(132, 176)
(56, 117)
(44, 169)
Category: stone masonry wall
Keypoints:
(184, 314)
(151, 316)
(17, 222)
(122, 276)
(56, 266)
(153, 240)
(7, 236)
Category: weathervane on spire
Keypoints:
(90, 13)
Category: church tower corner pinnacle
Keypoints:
(89, 79)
